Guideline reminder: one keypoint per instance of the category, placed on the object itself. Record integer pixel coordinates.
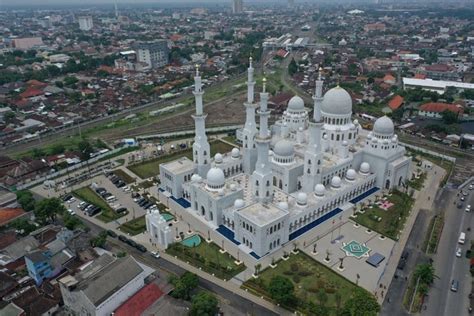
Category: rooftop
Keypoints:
(180, 165)
(262, 214)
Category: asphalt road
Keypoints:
(441, 300)
(393, 305)
(165, 267)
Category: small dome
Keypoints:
(235, 152)
(351, 174)
(384, 126)
(296, 103)
(283, 205)
(270, 153)
(337, 101)
(283, 148)
(221, 192)
(356, 122)
(365, 168)
(302, 198)
(336, 182)
(325, 136)
(394, 138)
(239, 203)
(215, 178)
(233, 187)
(319, 189)
(345, 143)
(195, 178)
(218, 158)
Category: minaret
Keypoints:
(116, 10)
(201, 148)
(262, 176)
(250, 129)
(314, 154)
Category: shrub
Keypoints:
(288, 272)
(296, 278)
(313, 288)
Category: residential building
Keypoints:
(435, 85)
(435, 109)
(27, 43)
(85, 23)
(237, 6)
(102, 285)
(154, 54)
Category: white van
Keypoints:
(462, 238)
(111, 198)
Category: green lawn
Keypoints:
(124, 176)
(392, 220)
(308, 277)
(134, 227)
(208, 257)
(151, 167)
(433, 234)
(88, 195)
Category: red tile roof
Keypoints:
(8, 214)
(140, 301)
(282, 53)
(441, 107)
(389, 77)
(31, 92)
(420, 76)
(396, 102)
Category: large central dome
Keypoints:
(337, 101)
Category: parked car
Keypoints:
(121, 210)
(122, 238)
(141, 248)
(155, 254)
(131, 243)
(459, 252)
(71, 212)
(94, 211)
(468, 208)
(111, 233)
(67, 198)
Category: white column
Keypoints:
(201, 148)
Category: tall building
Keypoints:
(154, 54)
(288, 178)
(85, 23)
(237, 6)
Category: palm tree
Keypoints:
(257, 268)
(426, 273)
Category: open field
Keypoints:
(207, 256)
(387, 222)
(135, 226)
(151, 168)
(309, 277)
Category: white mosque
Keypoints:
(287, 178)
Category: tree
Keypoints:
(86, 149)
(449, 117)
(70, 80)
(292, 67)
(58, 149)
(23, 226)
(100, 240)
(184, 285)
(425, 272)
(282, 290)
(10, 115)
(397, 115)
(47, 209)
(26, 200)
(204, 304)
(361, 303)
(59, 84)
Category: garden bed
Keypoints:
(135, 226)
(88, 195)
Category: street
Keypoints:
(441, 300)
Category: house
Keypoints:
(435, 109)
(389, 79)
(102, 285)
(9, 214)
(18, 249)
(139, 302)
(396, 102)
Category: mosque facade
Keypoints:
(285, 179)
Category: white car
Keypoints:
(471, 187)
(71, 200)
(468, 208)
(71, 212)
(459, 252)
(155, 254)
